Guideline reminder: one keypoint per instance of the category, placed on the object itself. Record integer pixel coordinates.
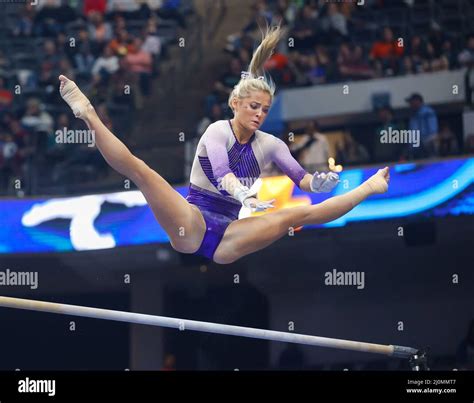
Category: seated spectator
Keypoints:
(98, 6)
(299, 65)
(52, 16)
(123, 78)
(447, 52)
(323, 57)
(140, 63)
(386, 53)
(24, 23)
(316, 73)
(433, 61)
(351, 152)
(84, 60)
(105, 66)
(445, 142)
(334, 23)
(351, 63)
(416, 53)
(312, 151)
(224, 86)
(215, 115)
(170, 10)
(277, 67)
(6, 97)
(8, 159)
(4, 64)
(51, 56)
(66, 68)
(55, 151)
(35, 118)
(47, 82)
(466, 57)
(121, 44)
(386, 152)
(304, 30)
(424, 120)
(99, 31)
(262, 16)
(152, 43)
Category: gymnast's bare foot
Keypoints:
(77, 101)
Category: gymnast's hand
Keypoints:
(258, 205)
(324, 182)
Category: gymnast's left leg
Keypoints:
(251, 234)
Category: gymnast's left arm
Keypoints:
(316, 183)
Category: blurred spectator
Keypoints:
(140, 63)
(277, 67)
(98, 6)
(84, 60)
(170, 10)
(99, 31)
(52, 16)
(316, 72)
(433, 61)
(334, 23)
(416, 54)
(351, 63)
(8, 160)
(215, 115)
(4, 63)
(445, 142)
(6, 97)
(105, 66)
(448, 53)
(121, 44)
(465, 352)
(35, 118)
(304, 30)
(385, 152)
(386, 53)
(313, 150)
(262, 16)
(50, 56)
(25, 21)
(351, 152)
(55, 151)
(466, 57)
(424, 120)
(224, 86)
(152, 43)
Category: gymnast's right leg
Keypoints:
(182, 221)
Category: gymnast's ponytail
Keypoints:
(255, 78)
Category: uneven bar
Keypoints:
(184, 324)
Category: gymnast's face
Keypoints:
(252, 111)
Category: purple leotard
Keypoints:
(219, 153)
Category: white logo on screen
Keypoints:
(82, 211)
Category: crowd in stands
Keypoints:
(329, 42)
(111, 48)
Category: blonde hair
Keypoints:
(257, 80)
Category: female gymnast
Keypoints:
(229, 159)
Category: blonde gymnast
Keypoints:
(229, 159)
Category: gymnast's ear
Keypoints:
(234, 103)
